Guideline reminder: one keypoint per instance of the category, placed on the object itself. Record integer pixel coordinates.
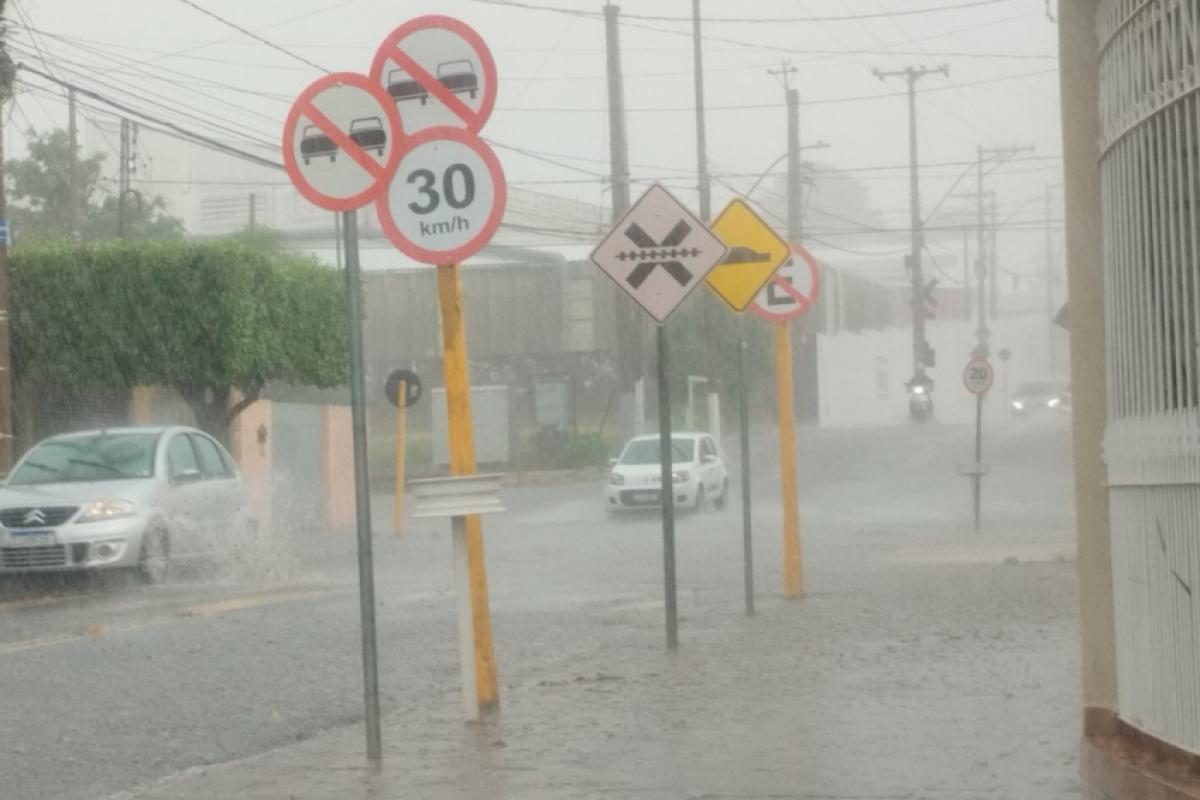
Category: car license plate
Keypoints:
(645, 497)
(27, 538)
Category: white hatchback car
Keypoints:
(698, 466)
(122, 497)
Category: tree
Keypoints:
(207, 319)
(41, 193)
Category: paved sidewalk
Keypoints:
(921, 665)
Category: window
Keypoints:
(211, 463)
(103, 457)
(707, 448)
(181, 458)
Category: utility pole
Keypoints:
(251, 221)
(921, 350)
(982, 258)
(1051, 356)
(966, 260)
(994, 266)
(123, 176)
(628, 323)
(6, 416)
(705, 183)
(74, 204)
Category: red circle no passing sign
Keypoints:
(341, 141)
(446, 199)
(439, 72)
(793, 289)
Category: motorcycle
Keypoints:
(920, 403)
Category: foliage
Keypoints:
(583, 450)
(42, 205)
(204, 318)
(702, 321)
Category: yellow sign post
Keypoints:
(793, 575)
(755, 252)
(462, 462)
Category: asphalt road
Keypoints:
(106, 685)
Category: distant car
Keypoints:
(315, 144)
(459, 77)
(369, 134)
(1040, 396)
(700, 473)
(136, 498)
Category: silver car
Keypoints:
(137, 498)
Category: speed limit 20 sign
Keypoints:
(978, 375)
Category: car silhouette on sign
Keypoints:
(315, 144)
(369, 134)
(745, 255)
(457, 76)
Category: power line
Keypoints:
(740, 20)
(191, 136)
(253, 35)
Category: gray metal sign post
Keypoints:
(667, 490)
(362, 486)
(744, 442)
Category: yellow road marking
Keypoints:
(241, 603)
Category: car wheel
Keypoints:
(306, 162)
(699, 506)
(154, 563)
(719, 503)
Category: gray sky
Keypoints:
(1002, 89)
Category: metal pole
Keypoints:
(744, 442)
(6, 421)
(993, 266)
(337, 238)
(362, 487)
(977, 470)
(667, 491)
(123, 178)
(705, 184)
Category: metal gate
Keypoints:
(1150, 181)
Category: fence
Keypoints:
(1150, 178)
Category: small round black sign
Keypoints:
(1005, 354)
(412, 387)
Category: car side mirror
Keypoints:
(612, 462)
(708, 459)
(185, 477)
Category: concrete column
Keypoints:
(250, 445)
(1079, 78)
(337, 468)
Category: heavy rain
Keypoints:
(572, 399)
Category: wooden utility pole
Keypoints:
(6, 416)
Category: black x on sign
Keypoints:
(658, 252)
(655, 254)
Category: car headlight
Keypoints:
(102, 510)
(1054, 402)
(616, 479)
(1018, 405)
(680, 476)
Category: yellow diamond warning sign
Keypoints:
(755, 252)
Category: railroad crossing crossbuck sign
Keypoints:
(978, 375)
(341, 141)
(755, 252)
(793, 289)
(658, 253)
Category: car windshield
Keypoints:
(455, 68)
(1037, 388)
(645, 451)
(103, 457)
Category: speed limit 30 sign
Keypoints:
(978, 375)
(446, 198)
